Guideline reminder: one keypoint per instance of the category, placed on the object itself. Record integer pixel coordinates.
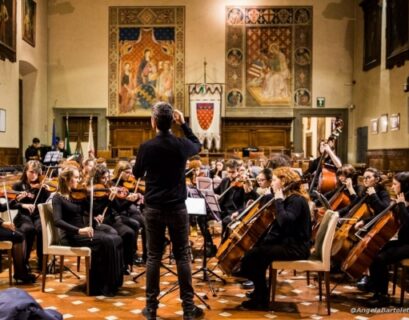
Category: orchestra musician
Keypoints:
(395, 250)
(8, 232)
(27, 220)
(377, 200)
(33, 152)
(108, 220)
(287, 239)
(165, 204)
(233, 194)
(70, 215)
(128, 207)
(216, 173)
(87, 167)
(347, 177)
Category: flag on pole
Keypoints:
(78, 150)
(67, 136)
(53, 137)
(90, 149)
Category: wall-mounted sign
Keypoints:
(320, 102)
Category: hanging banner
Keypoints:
(205, 113)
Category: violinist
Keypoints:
(107, 253)
(87, 167)
(105, 216)
(8, 232)
(128, 205)
(232, 194)
(287, 239)
(33, 152)
(27, 220)
(395, 250)
(193, 173)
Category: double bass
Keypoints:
(325, 174)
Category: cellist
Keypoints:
(395, 250)
(232, 194)
(377, 199)
(287, 239)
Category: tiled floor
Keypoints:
(295, 300)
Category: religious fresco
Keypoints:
(146, 59)
(268, 57)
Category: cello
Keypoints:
(381, 229)
(344, 238)
(247, 234)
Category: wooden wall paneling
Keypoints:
(9, 156)
(389, 159)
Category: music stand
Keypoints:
(212, 205)
(52, 158)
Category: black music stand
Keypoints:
(212, 205)
(52, 158)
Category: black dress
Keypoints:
(107, 252)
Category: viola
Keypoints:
(134, 185)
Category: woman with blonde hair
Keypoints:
(287, 239)
(70, 215)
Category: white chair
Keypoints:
(8, 245)
(51, 245)
(319, 260)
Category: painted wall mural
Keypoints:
(268, 57)
(146, 58)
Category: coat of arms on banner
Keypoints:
(205, 113)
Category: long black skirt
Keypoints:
(106, 274)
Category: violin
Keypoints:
(82, 193)
(134, 185)
(9, 193)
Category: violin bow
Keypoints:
(42, 183)
(116, 185)
(91, 205)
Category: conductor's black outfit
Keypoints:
(163, 159)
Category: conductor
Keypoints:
(165, 207)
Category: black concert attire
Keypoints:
(111, 218)
(107, 253)
(376, 202)
(287, 239)
(393, 252)
(21, 271)
(33, 153)
(214, 173)
(131, 215)
(29, 223)
(233, 200)
(163, 159)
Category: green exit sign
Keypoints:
(320, 102)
